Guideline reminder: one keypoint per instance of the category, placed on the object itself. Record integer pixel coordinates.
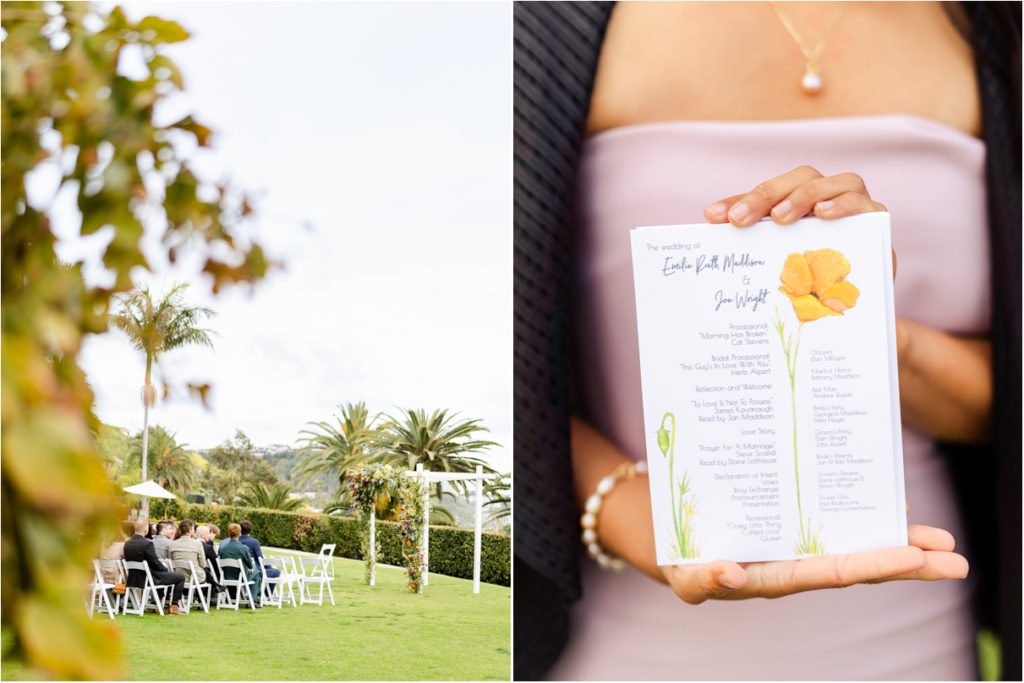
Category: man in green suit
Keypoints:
(233, 550)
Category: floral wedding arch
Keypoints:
(364, 486)
(413, 514)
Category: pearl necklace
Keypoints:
(811, 81)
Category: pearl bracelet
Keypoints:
(588, 521)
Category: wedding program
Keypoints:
(770, 396)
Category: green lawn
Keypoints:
(381, 632)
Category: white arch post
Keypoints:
(429, 478)
(477, 524)
(373, 545)
(425, 541)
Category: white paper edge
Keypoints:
(894, 383)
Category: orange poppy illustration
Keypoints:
(815, 283)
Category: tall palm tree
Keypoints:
(333, 448)
(439, 441)
(156, 327)
(278, 497)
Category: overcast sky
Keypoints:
(377, 139)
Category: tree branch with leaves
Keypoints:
(65, 108)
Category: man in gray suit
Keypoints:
(162, 540)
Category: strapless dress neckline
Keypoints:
(867, 122)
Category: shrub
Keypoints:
(451, 550)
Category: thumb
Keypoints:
(696, 583)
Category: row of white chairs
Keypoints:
(303, 573)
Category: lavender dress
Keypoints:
(931, 179)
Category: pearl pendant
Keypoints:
(811, 82)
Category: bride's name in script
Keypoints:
(702, 263)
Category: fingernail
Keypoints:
(825, 207)
(716, 210)
(738, 212)
(724, 581)
(782, 209)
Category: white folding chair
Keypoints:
(268, 597)
(240, 583)
(120, 575)
(192, 585)
(296, 573)
(317, 574)
(99, 587)
(327, 552)
(150, 595)
(285, 582)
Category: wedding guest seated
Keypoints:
(216, 532)
(138, 548)
(236, 551)
(115, 551)
(164, 535)
(254, 547)
(206, 536)
(186, 547)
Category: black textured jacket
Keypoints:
(556, 46)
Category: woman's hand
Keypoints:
(929, 557)
(791, 196)
(945, 380)
(626, 529)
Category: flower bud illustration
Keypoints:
(663, 441)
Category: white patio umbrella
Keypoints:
(150, 489)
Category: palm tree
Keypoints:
(499, 499)
(278, 497)
(438, 441)
(440, 516)
(333, 448)
(172, 465)
(155, 328)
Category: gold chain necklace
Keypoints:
(811, 81)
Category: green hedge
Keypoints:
(451, 550)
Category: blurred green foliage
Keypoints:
(989, 656)
(68, 112)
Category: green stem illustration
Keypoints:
(671, 463)
(807, 545)
(686, 547)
